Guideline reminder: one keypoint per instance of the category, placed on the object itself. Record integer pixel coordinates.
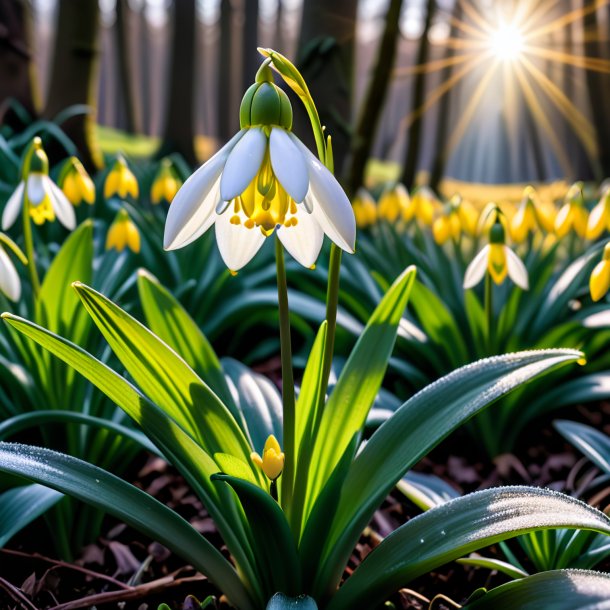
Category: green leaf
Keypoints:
(593, 443)
(282, 602)
(167, 318)
(271, 536)
(553, 590)
(489, 563)
(348, 406)
(57, 304)
(166, 378)
(21, 505)
(426, 490)
(452, 530)
(418, 426)
(128, 503)
(173, 442)
(234, 467)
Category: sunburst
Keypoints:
(512, 44)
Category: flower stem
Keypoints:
(287, 378)
(489, 313)
(28, 244)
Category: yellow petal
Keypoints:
(496, 263)
(599, 282)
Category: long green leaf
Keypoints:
(125, 501)
(21, 505)
(593, 443)
(418, 426)
(455, 529)
(282, 602)
(166, 378)
(553, 590)
(167, 318)
(359, 382)
(271, 536)
(176, 445)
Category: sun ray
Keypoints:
(579, 123)
(437, 93)
(537, 13)
(465, 119)
(579, 61)
(541, 118)
(567, 19)
(469, 9)
(434, 66)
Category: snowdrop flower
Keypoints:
(530, 216)
(166, 183)
(44, 198)
(573, 214)
(365, 209)
(264, 179)
(458, 217)
(10, 284)
(120, 181)
(395, 203)
(599, 219)
(424, 204)
(272, 461)
(498, 260)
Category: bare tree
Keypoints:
(17, 74)
(376, 93)
(74, 74)
(251, 59)
(179, 131)
(419, 89)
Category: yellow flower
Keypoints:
(166, 183)
(599, 219)
(573, 215)
(457, 217)
(365, 209)
(120, 181)
(394, 203)
(424, 204)
(76, 183)
(123, 233)
(272, 462)
(530, 216)
(599, 283)
(498, 260)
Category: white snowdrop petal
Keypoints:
(36, 188)
(61, 205)
(303, 241)
(236, 243)
(289, 164)
(476, 270)
(13, 207)
(191, 212)
(243, 163)
(10, 284)
(517, 271)
(331, 207)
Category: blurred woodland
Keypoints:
(395, 80)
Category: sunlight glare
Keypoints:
(507, 42)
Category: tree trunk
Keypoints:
(370, 112)
(74, 76)
(17, 73)
(228, 113)
(251, 58)
(595, 87)
(444, 108)
(179, 132)
(419, 89)
(130, 87)
(326, 60)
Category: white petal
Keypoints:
(303, 241)
(331, 207)
(243, 163)
(289, 164)
(13, 207)
(61, 206)
(476, 270)
(516, 269)
(236, 243)
(36, 188)
(191, 213)
(10, 284)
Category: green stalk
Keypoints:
(28, 243)
(287, 379)
(489, 313)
